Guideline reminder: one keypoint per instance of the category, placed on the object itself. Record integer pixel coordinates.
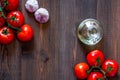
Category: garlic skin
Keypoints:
(42, 15)
(31, 5)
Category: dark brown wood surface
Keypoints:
(55, 48)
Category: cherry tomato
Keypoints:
(95, 76)
(15, 18)
(6, 35)
(2, 20)
(110, 67)
(81, 70)
(95, 58)
(10, 4)
(26, 33)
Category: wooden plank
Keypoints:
(55, 48)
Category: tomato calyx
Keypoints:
(5, 3)
(109, 68)
(13, 18)
(5, 31)
(98, 61)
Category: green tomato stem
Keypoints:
(5, 3)
(99, 69)
(104, 73)
(15, 28)
(91, 69)
(10, 26)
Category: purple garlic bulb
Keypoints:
(41, 15)
(31, 5)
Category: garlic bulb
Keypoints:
(41, 15)
(31, 5)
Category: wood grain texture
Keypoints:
(55, 48)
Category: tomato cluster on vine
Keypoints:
(12, 22)
(97, 67)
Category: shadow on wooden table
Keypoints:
(86, 48)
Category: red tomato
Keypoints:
(6, 35)
(95, 76)
(95, 58)
(15, 18)
(81, 70)
(110, 67)
(2, 20)
(10, 4)
(26, 33)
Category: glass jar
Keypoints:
(90, 32)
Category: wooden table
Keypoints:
(55, 48)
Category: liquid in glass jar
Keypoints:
(90, 32)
